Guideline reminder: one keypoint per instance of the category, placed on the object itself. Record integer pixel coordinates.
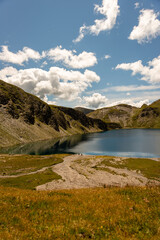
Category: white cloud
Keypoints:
(57, 81)
(136, 5)
(110, 10)
(150, 73)
(51, 102)
(131, 88)
(95, 101)
(20, 57)
(107, 56)
(136, 99)
(69, 59)
(130, 101)
(7, 72)
(148, 27)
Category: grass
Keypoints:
(148, 167)
(106, 213)
(110, 171)
(27, 165)
(16, 164)
(30, 181)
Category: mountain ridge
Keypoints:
(148, 116)
(24, 118)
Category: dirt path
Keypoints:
(78, 172)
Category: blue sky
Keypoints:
(82, 53)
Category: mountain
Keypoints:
(121, 114)
(84, 110)
(25, 118)
(148, 116)
(130, 117)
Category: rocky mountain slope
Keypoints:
(130, 117)
(25, 118)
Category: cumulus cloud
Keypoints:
(95, 101)
(150, 73)
(20, 57)
(148, 26)
(57, 81)
(107, 56)
(110, 10)
(70, 59)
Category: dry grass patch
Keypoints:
(110, 213)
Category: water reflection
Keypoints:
(125, 143)
(56, 145)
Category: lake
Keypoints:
(123, 143)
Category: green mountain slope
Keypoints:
(130, 117)
(25, 118)
(148, 116)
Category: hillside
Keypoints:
(84, 110)
(121, 114)
(25, 118)
(130, 117)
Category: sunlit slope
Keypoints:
(130, 117)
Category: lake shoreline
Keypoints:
(141, 143)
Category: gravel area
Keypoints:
(77, 171)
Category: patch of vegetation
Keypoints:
(149, 168)
(117, 112)
(106, 213)
(30, 181)
(110, 171)
(16, 164)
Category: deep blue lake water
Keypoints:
(124, 143)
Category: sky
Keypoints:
(89, 53)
